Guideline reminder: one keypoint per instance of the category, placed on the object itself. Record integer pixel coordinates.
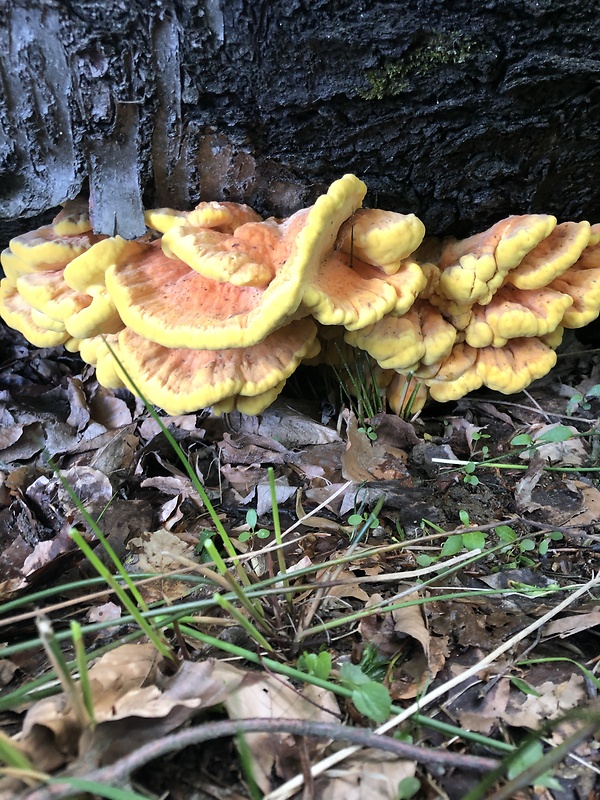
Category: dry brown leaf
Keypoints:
(571, 452)
(7, 671)
(555, 700)
(46, 552)
(526, 485)
(347, 589)
(150, 427)
(590, 515)
(161, 551)
(260, 495)
(110, 411)
(243, 478)
(290, 429)
(273, 697)
(409, 621)
(115, 452)
(567, 626)
(252, 449)
(9, 434)
(91, 486)
(133, 703)
(480, 711)
(362, 456)
(371, 775)
(404, 631)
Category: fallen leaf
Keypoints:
(370, 775)
(555, 699)
(362, 456)
(161, 551)
(103, 613)
(7, 671)
(291, 429)
(133, 703)
(276, 756)
(590, 514)
(481, 711)
(568, 626)
(571, 452)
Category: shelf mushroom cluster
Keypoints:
(218, 307)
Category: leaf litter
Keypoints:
(117, 461)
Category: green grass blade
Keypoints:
(91, 787)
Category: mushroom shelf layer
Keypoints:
(218, 307)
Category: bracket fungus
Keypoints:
(218, 307)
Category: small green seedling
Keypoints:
(408, 788)
(359, 519)
(469, 477)
(477, 437)
(369, 697)
(372, 663)
(559, 433)
(204, 536)
(469, 468)
(368, 431)
(517, 549)
(528, 755)
(455, 543)
(316, 664)
(251, 522)
(579, 401)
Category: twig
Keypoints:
(478, 401)
(537, 405)
(117, 773)
(569, 530)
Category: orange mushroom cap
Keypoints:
(552, 256)
(163, 300)
(182, 380)
(17, 314)
(514, 313)
(582, 283)
(421, 335)
(224, 217)
(381, 238)
(474, 268)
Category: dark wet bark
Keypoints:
(461, 112)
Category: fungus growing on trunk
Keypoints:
(222, 308)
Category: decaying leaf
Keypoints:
(554, 700)
(275, 756)
(403, 633)
(568, 626)
(362, 456)
(160, 552)
(371, 775)
(134, 702)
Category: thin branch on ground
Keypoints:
(116, 774)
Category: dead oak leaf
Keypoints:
(160, 552)
(568, 626)
(273, 697)
(134, 702)
(362, 457)
(554, 700)
(371, 775)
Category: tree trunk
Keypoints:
(461, 112)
